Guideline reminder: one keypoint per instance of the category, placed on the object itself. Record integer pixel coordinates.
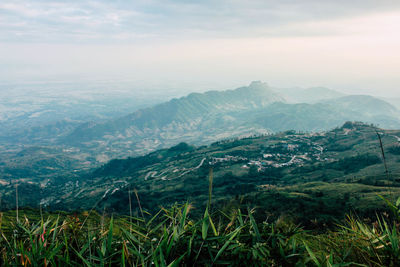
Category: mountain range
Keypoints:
(197, 119)
(211, 116)
(255, 138)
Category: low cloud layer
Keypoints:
(348, 45)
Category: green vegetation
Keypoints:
(299, 175)
(173, 237)
(290, 199)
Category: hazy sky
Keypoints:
(353, 46)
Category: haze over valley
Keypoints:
(60, 148)
(93, 129)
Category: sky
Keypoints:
(350, 46)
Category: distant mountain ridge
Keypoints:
(309, 95)
(201, 118)
(364, 104)
(188, 118)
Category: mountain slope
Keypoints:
(288, 166)
(327, 114)
(202, 119)
(287, 162)
(184, 118)
(363, 104)
(309, 95)
(208, 117)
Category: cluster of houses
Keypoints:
(227, 158)
(294, 152)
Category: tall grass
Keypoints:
(171, 237)
(168, 238)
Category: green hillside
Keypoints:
(305, 176)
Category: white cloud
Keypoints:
(340, 44)
(47, 21)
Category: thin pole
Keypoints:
(383, 155)
(16, 200)
(130, 210)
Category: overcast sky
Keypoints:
(352, 46)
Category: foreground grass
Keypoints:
(172, 238)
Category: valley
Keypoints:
(260, 142)
(93, 135)
(288, 166)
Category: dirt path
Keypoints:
(151, 174)
(194, 168)
(397, 138)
